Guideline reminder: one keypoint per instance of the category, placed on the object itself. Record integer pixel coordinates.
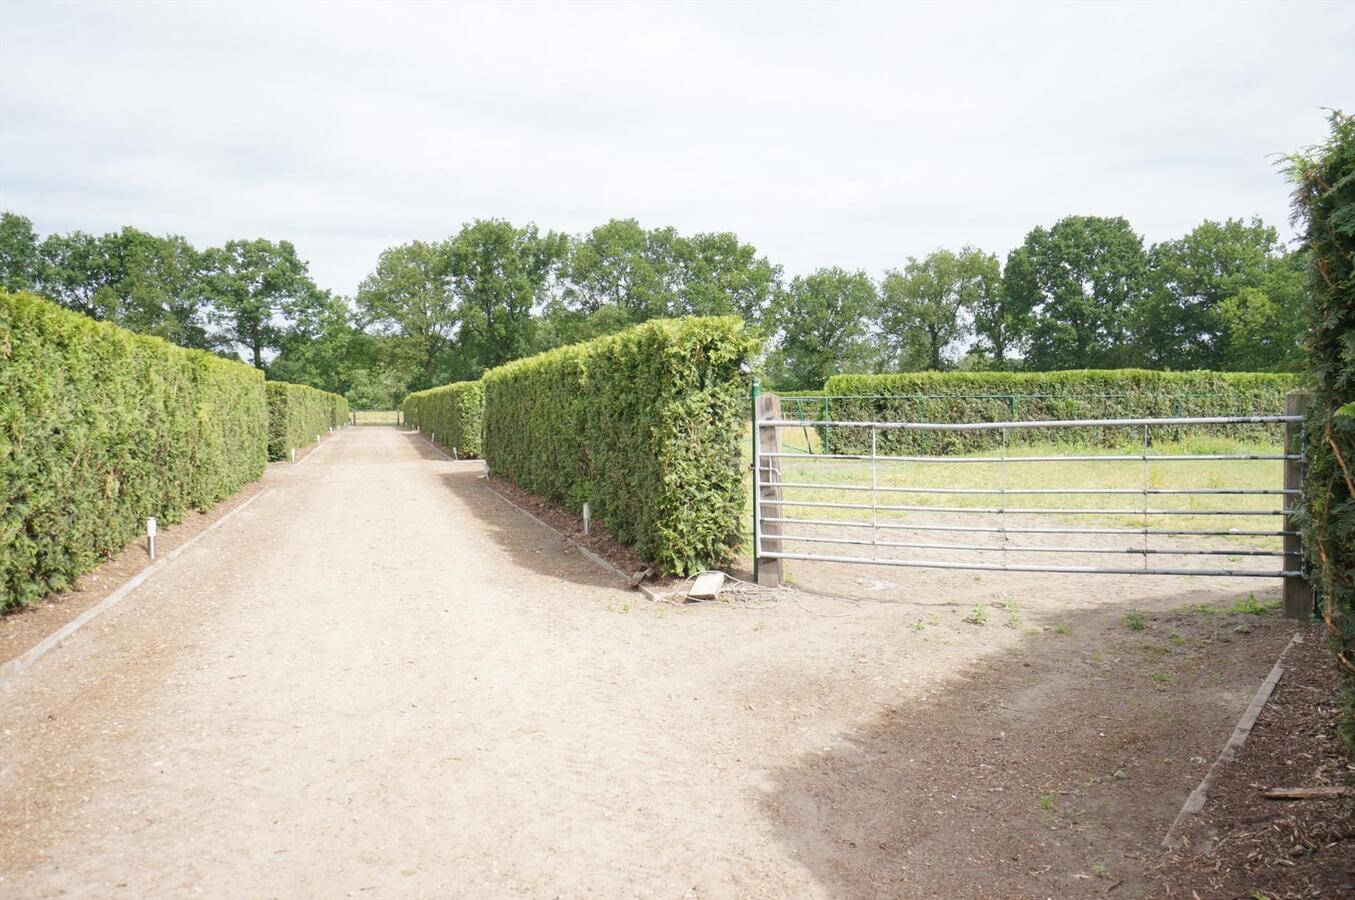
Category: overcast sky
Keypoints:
(824, 134)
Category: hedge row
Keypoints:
(297, 413)
(1006, 396)
(644, 425)
(453, 414)
(1324, 199)
(101, 428)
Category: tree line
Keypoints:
(1083, 293)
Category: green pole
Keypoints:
(757, 475)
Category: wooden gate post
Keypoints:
(1298, 592)
(769, 571)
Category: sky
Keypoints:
(845, 134)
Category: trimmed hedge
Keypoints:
(101, 428)
(453, 413)
(1081, 394)
(297, 413)
(1324, 201)
(644, 425)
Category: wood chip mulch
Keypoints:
(1243, 845)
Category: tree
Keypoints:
(140, 281)
(20, 262)
(1179, 321)
(1262, 328)
(252, 286)
(720, 276)
(499, 275)
(926, 307)
(621, 264)
(823, 324)
(409, 297)
(1079, 279)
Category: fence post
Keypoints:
(1298, 592)
(767, 470)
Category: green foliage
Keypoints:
(409, 298)
(20, 262)
(101, 428)
(297, 414)
(644, 425)
(823, 323)
(453, 413)
(1079, 280)
(500, 274)
(924, 306)
(1007, 396)
(1324, 203)
(251, 285)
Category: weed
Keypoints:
(1120, 775)
(1250, 604)
(1013, 614)
(1163, 677)
(1099, 870)
(1242, 628)
(1175, 638)
(918, 625)
(935, 619)
(1134, 621)
(1046, 802)
(1061, 629)
(979, 616)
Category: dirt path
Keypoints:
(380, 680)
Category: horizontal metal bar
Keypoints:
(1030, 511)
(977, 529)
(1033, 423)
(1138, 492)
(1135, 457)
(996, 567)
(1014, 548)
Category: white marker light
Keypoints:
(150, 535)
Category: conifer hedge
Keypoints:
(297, 413)
(101, 428)
(453, 413)
(1007, 396)
(644, 425)
(1324, 201)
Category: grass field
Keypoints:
(376, 417)
(925, 486)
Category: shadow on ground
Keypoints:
(1050, 770)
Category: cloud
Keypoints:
(825, 135)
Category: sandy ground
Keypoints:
(381, 680)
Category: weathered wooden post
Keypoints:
(767, 472)
(1298, 592)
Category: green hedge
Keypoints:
(101, 428)
(643, 424)
(1005, 396)
(297, 413)
(1324, 199)
(453, 413)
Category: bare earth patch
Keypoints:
(1242, 844)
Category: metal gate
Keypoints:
(862, 514)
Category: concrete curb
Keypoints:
(1196, 801)
(587, 554)
(20, 663)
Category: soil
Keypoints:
(1244, 845)
(23, 628)
(381, 680)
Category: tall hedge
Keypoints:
(453, 413)
(644, 425)
(1005, 396)
(297, 413)
(1324, 202)
(101, 428)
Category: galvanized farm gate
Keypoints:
(867, 529)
